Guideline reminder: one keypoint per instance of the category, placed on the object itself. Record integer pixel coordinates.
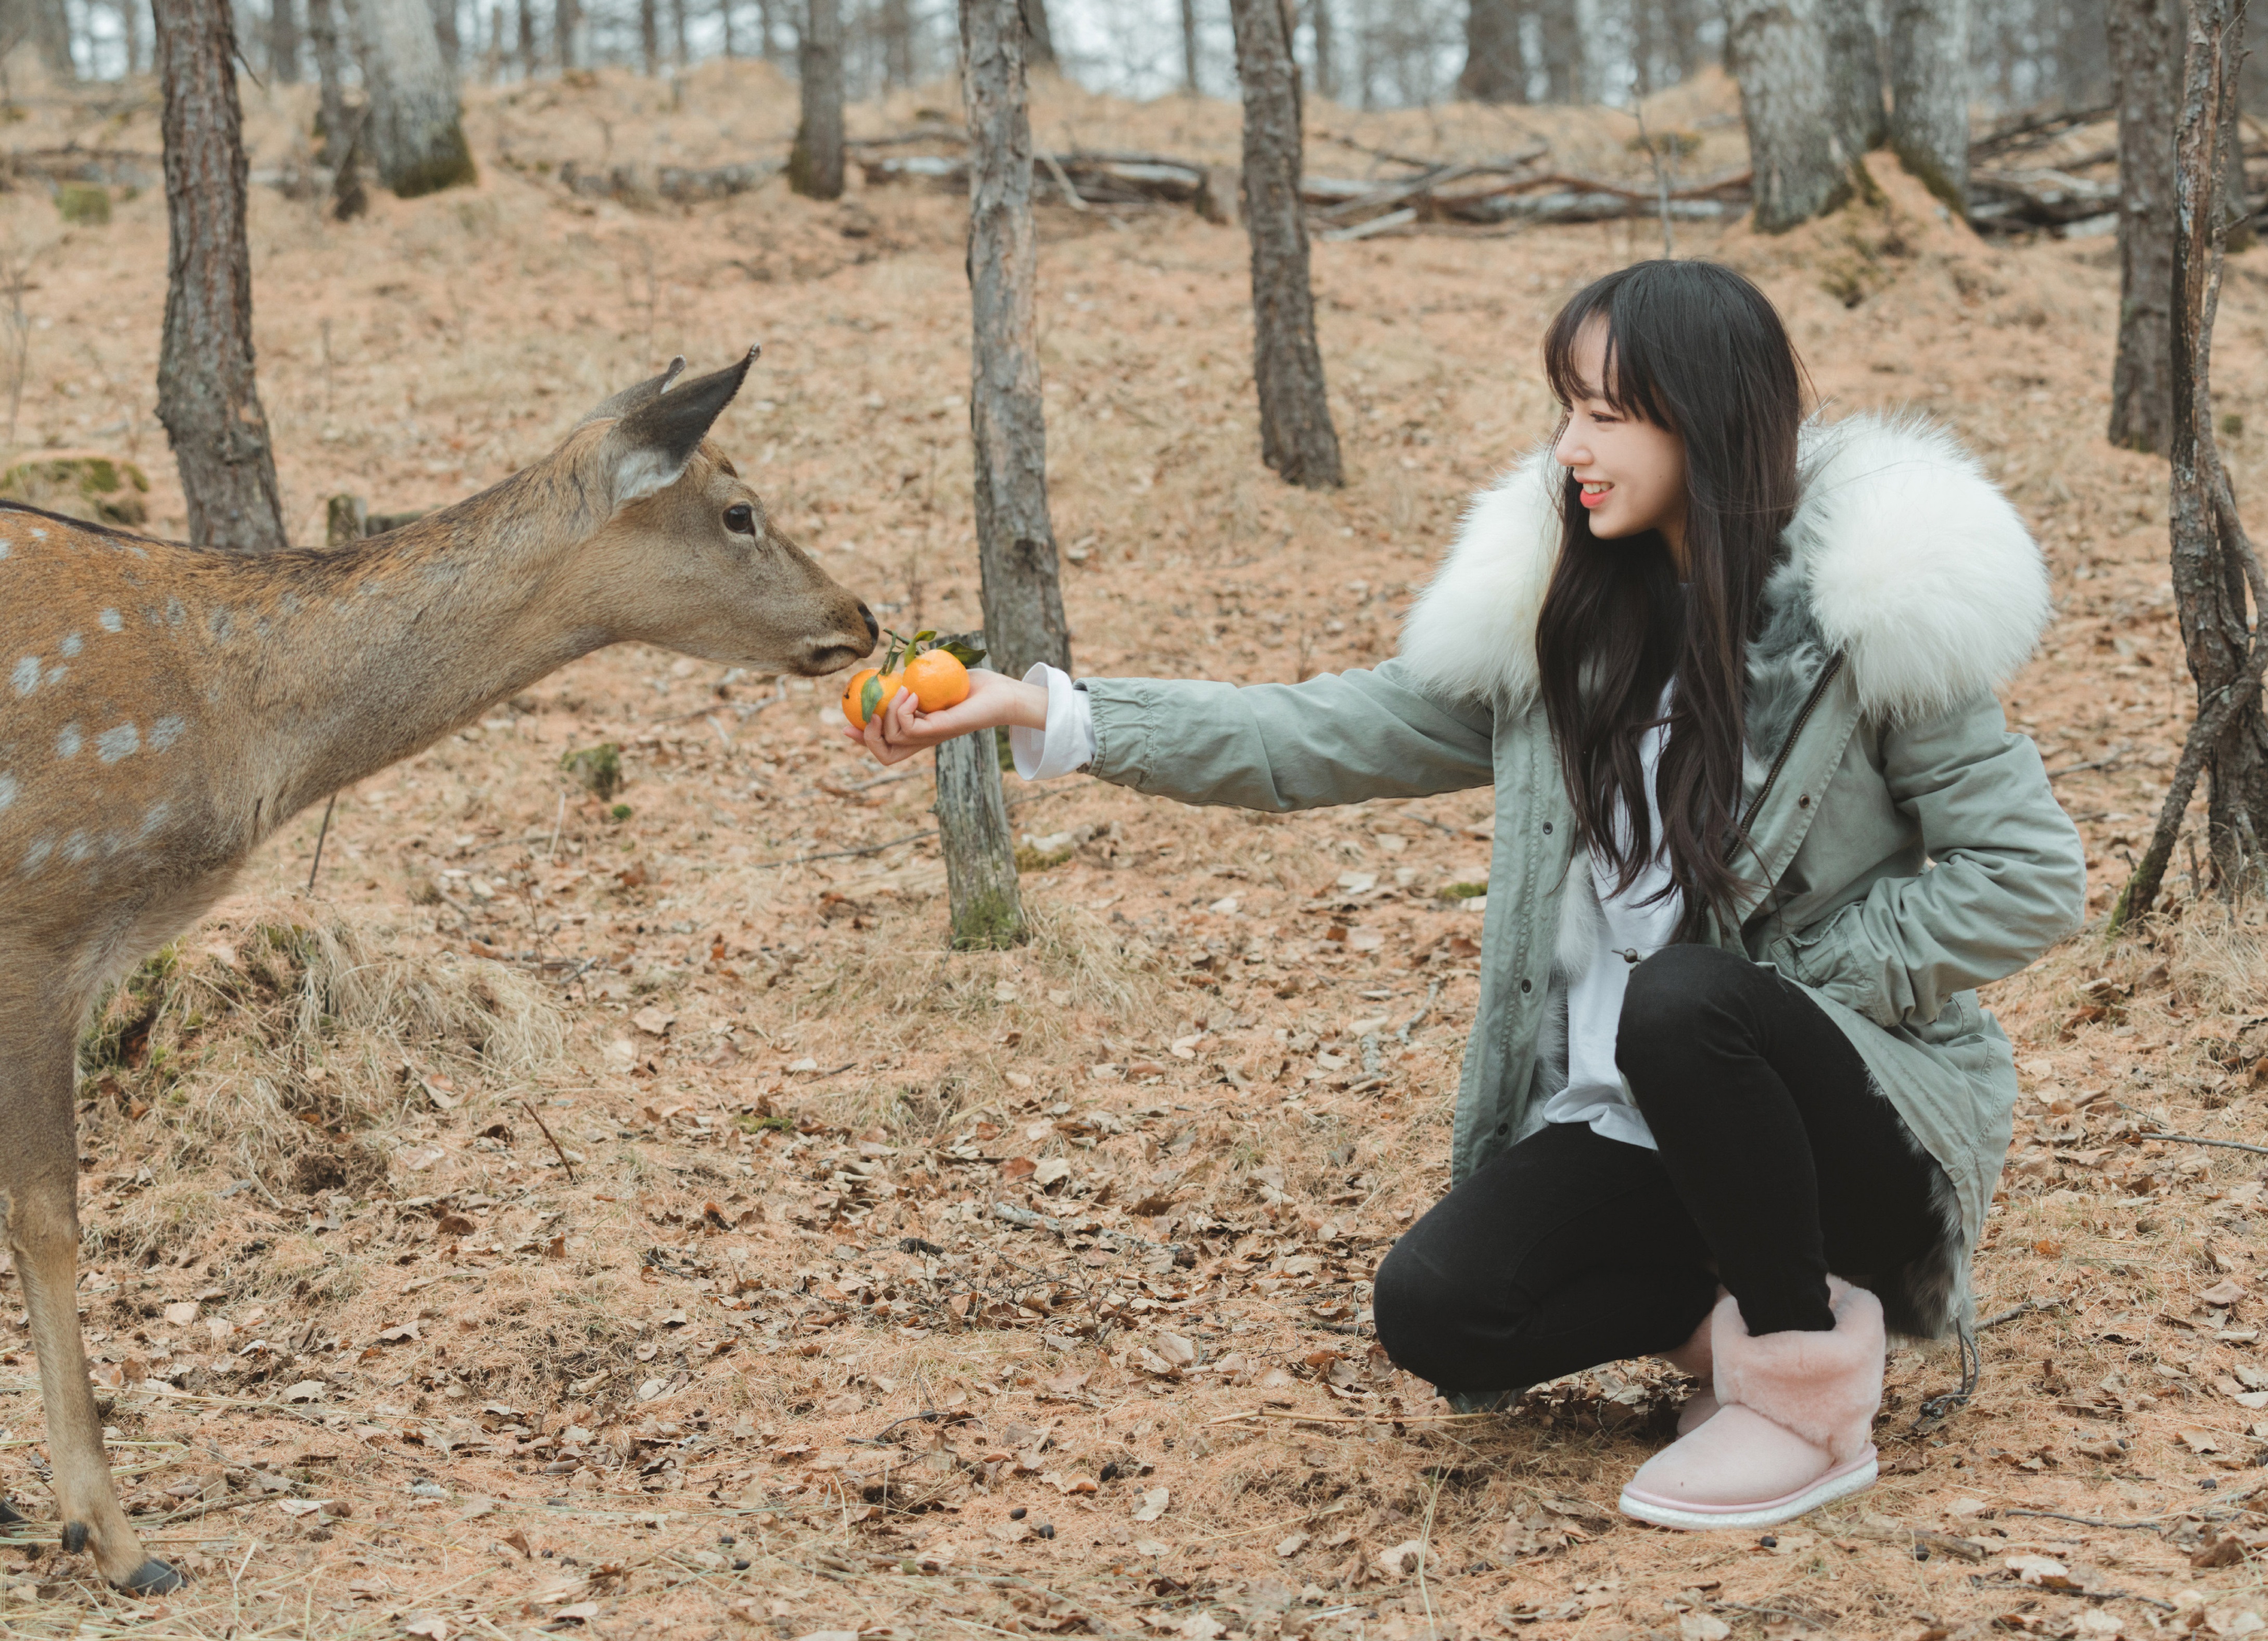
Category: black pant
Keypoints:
(1779, 1162)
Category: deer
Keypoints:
(165, 708)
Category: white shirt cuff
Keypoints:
(1067, 743)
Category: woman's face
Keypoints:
(1632, 472)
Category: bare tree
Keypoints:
(528, 58)
(1321, 36)
(1929, 93)
(1189, 47)
(896, 23)
(1777, 53)
(732, 43)
(1039, 36)
(207, 394)
(566, 24)
(1495, 64)
(814, 164)
(1854, 75)
(767, 37)
(2143, 53)
(1296, 435)
(282, 40)
(980, 852)
(2214, 564)
(445, 33)
(47, 25)
(341, 126)
(1684, 20)
(1560, 34)
(129, 34)
(649, 13)
(414, 130)
(681, 49)
(1015, 540)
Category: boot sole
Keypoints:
(1840, 1483)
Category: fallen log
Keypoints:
(1095, 179)
(679, 184)
(108, 167)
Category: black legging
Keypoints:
(1779, 1162)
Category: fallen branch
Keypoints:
(1883, 1532)
(556, 1149)
(2199, 1139)
(1025, 1220)
(2014, 1310)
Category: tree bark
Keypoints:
(1296, 435)
(650, 36)
(1320, 26)
(1015, 541)
(814, 164)
(767, 37)
(980, 853)
(1189, 47)
(414, 131)
(1644, 16)
(1683, 17)
(1496, 64)
(1039, 36)
(207, 396)
(2215, 565)
(1778, 54)
(1854, 75)
(527, 55)
(1929, 93)
(282, 40)
(46, 23)
(566, 19)
(445, 34)
(2144, 55)
(1561, 37)
(129, 34)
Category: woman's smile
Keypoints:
(1594, 492)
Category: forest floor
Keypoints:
(624, 1217)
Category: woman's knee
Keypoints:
(1680, 997)
(1419, 1309)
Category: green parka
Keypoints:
(1909, 847)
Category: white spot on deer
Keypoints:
(223, 622)
(36, 856)
(72, 644)
(78, 848)
(38, 534)
(174, 614)
(9, 787)
(159, 814)
(122, 742)
(27, 675)
(167, 731)
(4, 545)
(69, 742)
(112, 622)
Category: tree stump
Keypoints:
(980, 857)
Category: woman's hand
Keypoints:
(902, 728)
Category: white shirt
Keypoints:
(1627, 931)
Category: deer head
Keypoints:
(687, 556)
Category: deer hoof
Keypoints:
(154, 1577)
(74, 1537)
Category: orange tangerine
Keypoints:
(854, 697)
(938, 680)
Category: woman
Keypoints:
(1728, 1098)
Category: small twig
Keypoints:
(551, 849)
(1070, 194)
(2199, 1139)
(2014, 1310)
(559, 1149)
(2151, 1524)
(1425, 1549)
(1768, 1612)
(323, 833)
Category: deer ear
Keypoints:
(631, 398)
(647, 448)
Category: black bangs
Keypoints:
(1633, 382)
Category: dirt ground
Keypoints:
(623, 1213)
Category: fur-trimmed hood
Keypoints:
(1902, 556)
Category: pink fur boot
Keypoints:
(1791, 1432)
(1695, 1358)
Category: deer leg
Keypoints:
(39, 1173)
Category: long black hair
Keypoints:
(1697, 350)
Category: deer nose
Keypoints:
(874, 627)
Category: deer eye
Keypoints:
(740, 517)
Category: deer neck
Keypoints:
(362, 658)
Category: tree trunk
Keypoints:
(566, 19)
(1296, 436)
(1644, 17)
(897, 28)
(2215, 565)
(1189, 47)
(445, 34)
(1561, 37)
(980, 853)
(767, 37)
(1495, 66)
(129, 34)
(207, 396)
(814, 164)
(282, 40)
(527, 57)
(1326, 67)
(1015, 541)
(2144, 55)
(732, 43)
(1039, 36)
(680, 47)
(45, 24)
(341, 125)
(649, 36)
(1777, 53)
(1683, 17)
(414, 131)
(1929, 91)
(1854, 75)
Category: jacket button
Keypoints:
(1527, 986)
(1804, 802)
(1547, 828)
(1503, 1128)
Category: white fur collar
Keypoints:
(1915, 566)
